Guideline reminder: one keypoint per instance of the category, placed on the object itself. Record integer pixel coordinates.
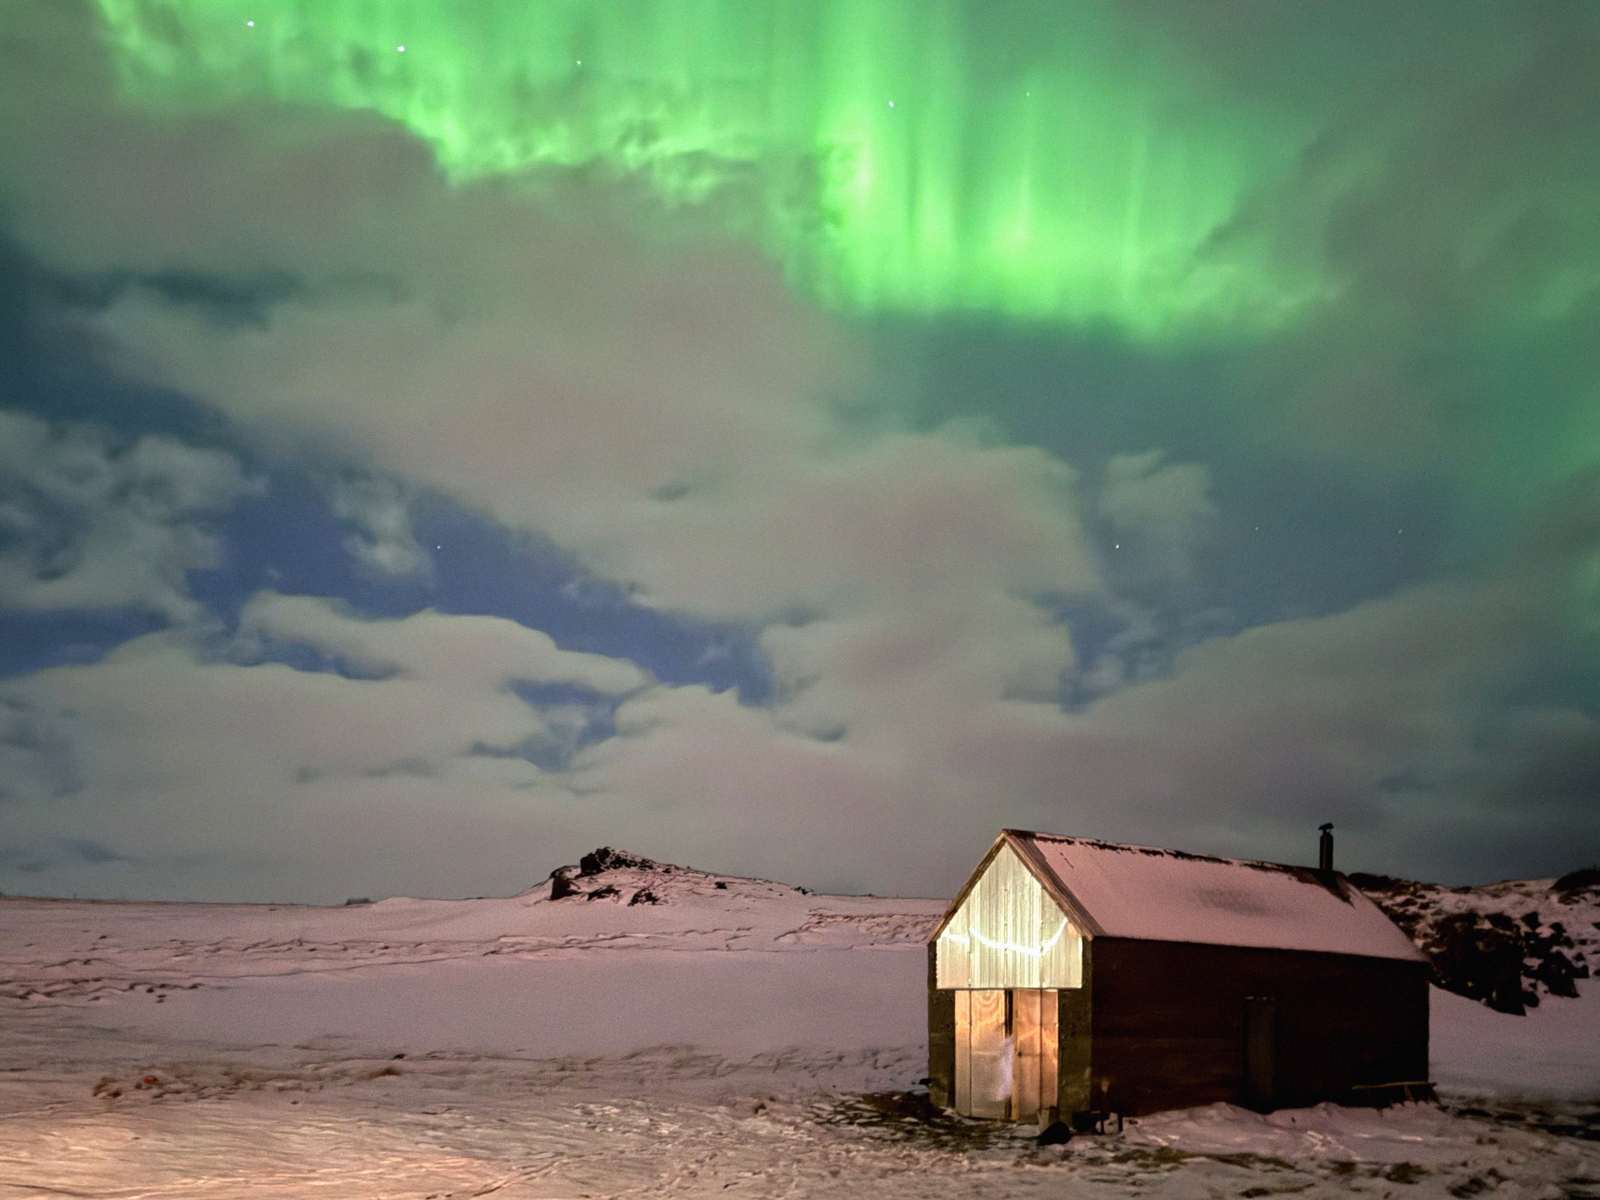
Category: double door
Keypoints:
(1007, 1054)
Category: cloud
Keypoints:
(201, 771)
(386, 544)
(92, 521)
(212, 774)
(887, 520)
(472, 653)
(36, 761)
(204, 770)
(1255, 738)
(1159, 513)
(721, 494)
(1389, 719)
(717, 783)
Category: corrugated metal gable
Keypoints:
(1007, 931)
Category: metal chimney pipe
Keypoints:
(1325, 849)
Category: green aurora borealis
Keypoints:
(908, 156)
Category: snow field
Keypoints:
(716, 1044)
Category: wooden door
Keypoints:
(1007, 1053)
(984, 1054)
(1035, 1034)
(1260, 1045)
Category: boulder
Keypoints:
(606, 858)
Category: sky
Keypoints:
(795, 438)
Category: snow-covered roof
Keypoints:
(1151, 894)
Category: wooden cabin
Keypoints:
(1072, 978)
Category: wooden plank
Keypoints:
(1260, 1046)
(963, 1096)
(1027, 1075)
(1049, 1056)
(1075, 1021)
(941, 1040)
(990, 1056)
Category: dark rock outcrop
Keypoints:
(1569, 887)
(1479, 957)
(593, 878)
(606, 858)
(1478, 949)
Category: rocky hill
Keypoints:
(1507, 945)
(626, 878)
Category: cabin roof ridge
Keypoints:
(1154, 851)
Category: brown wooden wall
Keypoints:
(941, 1037)
(1169, 1023)
(1076, 1013)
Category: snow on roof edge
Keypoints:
(1366, 934)
(1182, 855)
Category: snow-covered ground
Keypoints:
(726, 1041)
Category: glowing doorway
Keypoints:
(1007, 1054)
